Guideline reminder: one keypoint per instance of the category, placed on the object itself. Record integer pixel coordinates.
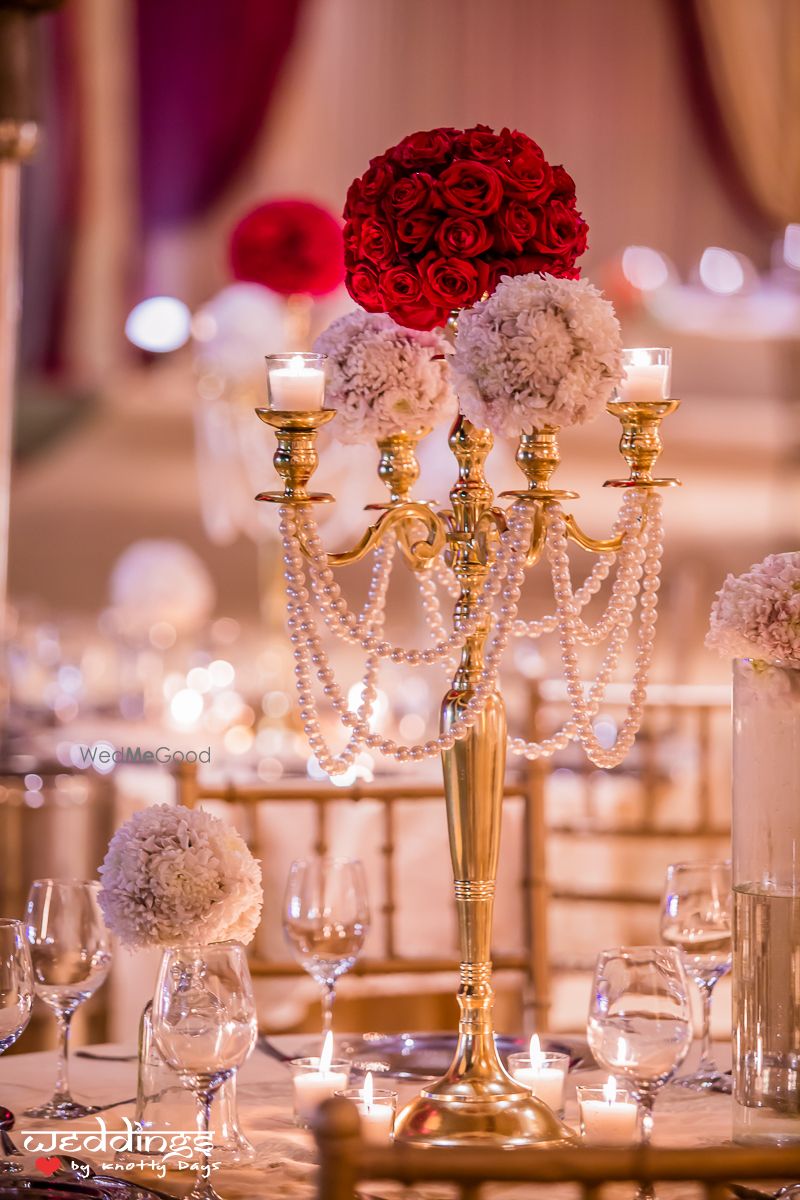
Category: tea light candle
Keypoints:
(542, 1073)
(296, 382)
(376, 1108)
(647, 375)
(317, 1079)
(607, 1117)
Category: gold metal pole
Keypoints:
(477, 1100)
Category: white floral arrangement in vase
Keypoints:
(174, 875)
(383, 379)
(539, 352)
(757, 615)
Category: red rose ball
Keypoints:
(289, 246)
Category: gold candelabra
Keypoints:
(476, 1100)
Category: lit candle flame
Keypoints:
(367, 1092)
(297, 364)
(537, 1057)
(326, 1057)
(610, 1090)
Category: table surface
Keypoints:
(285, 1153)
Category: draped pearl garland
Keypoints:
(313, 593)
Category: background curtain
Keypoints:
(749, 52)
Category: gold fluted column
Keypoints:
(476, 1101)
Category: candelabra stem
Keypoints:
(476, 1101)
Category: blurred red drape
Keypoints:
(207, 71)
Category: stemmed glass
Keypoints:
(204, 1025)
(640, 1021)
(325, 920)
(696, 917)
(70, 950)
(16, 984)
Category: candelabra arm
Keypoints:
(419, 552)
(595, 545)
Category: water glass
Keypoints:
(204, 1025)
(70, 949)
(696, 916)
(640, 1024)
(325, 921)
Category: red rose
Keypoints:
(416, 230)
(420, 314)
(376, 242)
(400, 286)
(516, 225)
(560, 235)
(463, 237)
(410, 192)
(452, 282)
(521, 142)
(498, 267)
(482, 143)
(528, 175)
(563, 185)
(289, 246)
(423, 149)
(374, 183)
(362, 284)
(471, 187)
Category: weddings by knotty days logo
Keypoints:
(156, 1150)
(105, 756)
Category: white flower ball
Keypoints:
(161, 580)
(538, 352)
(236, 329)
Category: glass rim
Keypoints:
(94, 883)
(700, 864)
(647, 349)
(627, 952)
(203, 947)
(378, 1094)
(305, 355)
(328, 860)
(311, 1063)
(522, 1056)
(592, 1089)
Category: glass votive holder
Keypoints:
(377, 1115)
(295, 382)
(608, 1119)
(647, 375)
(310, 1085)
(545, 1076)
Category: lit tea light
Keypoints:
(608, 1115)
(543, 1073)
(647, 375)
(317, 1079)
(376, 1108)
(296, 382)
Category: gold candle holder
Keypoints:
(640, 444)
(296, 458)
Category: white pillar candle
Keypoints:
(646, 381)
(316, 1080)
(541, 1075)
(296, 387)
(377, 1118)
(607, 1118)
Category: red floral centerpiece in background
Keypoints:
(293, 247)
(440, 217)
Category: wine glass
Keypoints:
(16, 982)
(70, 950)
(325, 920)
(640, 1023)
(204, 1025)
(696, 917)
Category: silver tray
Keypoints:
(428, 1055)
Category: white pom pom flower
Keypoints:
(538, 352)
(383, 378)
(757, 614)
(174, 875)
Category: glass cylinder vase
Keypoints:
(766, 883)
(166, 1109)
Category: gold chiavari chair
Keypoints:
(530, 962)
(345, 1162)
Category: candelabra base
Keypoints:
(482, 1106)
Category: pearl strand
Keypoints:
(628, 523)
(345, 624)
